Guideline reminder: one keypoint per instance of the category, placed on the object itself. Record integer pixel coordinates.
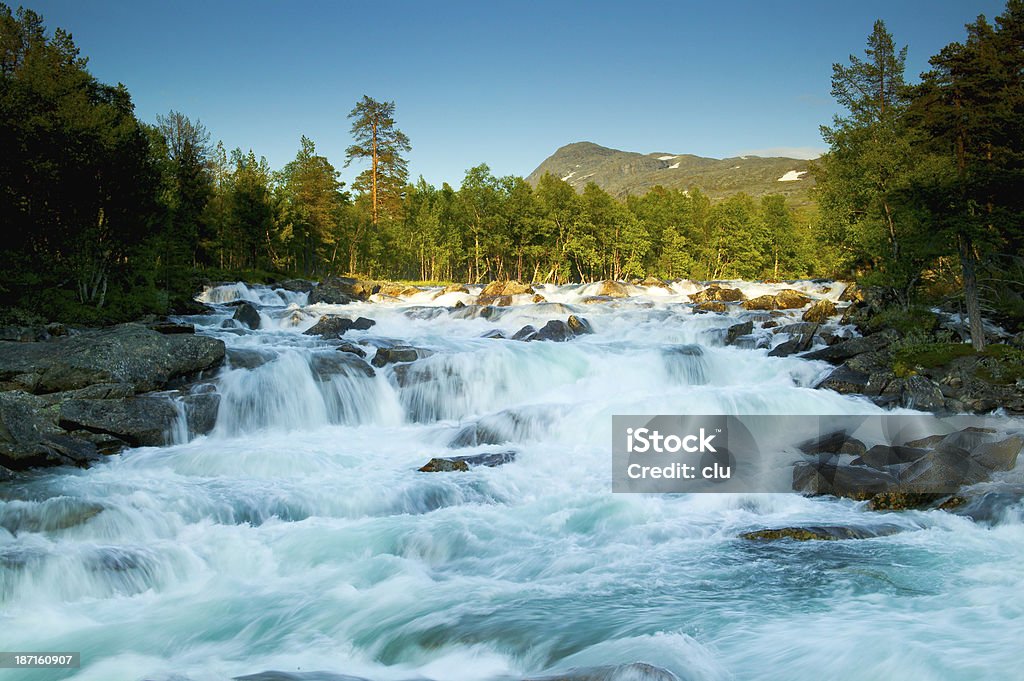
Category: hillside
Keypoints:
(625, 172)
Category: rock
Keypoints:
(844, 350)
(29, 438)
(844, 380)
(655, 282)
(501, 292)
(928, 442)
(770, 324)
(611, 289)
(451, 288)
(6, 474)
(799, 328)
(737, 330)
(247, 315)
(334, 326)
(820, 533)
(798, 343)
(943, 472)
(525, 333)
(833, 443)
(579, 325)
(396, 290)
(352, 349)
(248, 358)
(710, 306)
(401, 353)
(128, 353)
(634, 671)
(820, 312)
(538, 298)
(596, 300)
(990, 506)
(899, 500)
(841, 480)
(296, 285)
(201, 411)
(717, 293)
(883, 456)
(171, 327)
(968, 438)
(761, 303)
(327, 365)
(340, 291)
(140, 421)
(916, 392)
(463, 463)
(495, 333)
(788, 299)
(998, 456)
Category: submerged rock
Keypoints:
(737, 330)
(400, 353)
(446, 464)
(247, 315)
(820, 533)
(555, 330)
(710, 306)
(327, 365)
(333, 326)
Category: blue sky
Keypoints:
(498, 82)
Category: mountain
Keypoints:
(621, 173)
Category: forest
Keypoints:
(108, 217)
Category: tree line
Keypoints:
(110, 217)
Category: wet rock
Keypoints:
(610, 289)
(401, 353)
(128, 353)
(352, 349)
(464, 463)
(716, 293)
(635, 671)
(494, 333)
(171, 327)
(820, 533)
(296, 285)
(451, 288)
(396, 290)
(788, 299)
(844, 350)
(597, 300)
(915, 392)
(820, 312)
(798, 343)
(51, 515)
(710, 306)
(29, 436)
(998, 456)
(761, 303)
(737, 330)
(23, 334)
(883, 456)
(538, 298)
(900, 500)
(247, 315)
(248, 358)
(579, 325)
(340, 291)
(841, 480)
(989, 506)
(334, 326)
(655, 282)
(844, 380)
(968, 438)
(525, 333)
(770, 324)
(927, 442)
(6, 474)
(326, 366)
(201, 412)
(833, 443)
(500, 292)
(799, 328)
(139, 421)
(942, 472)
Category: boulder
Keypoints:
(902, 500)
(710, 306)
(820, 312)
(579, 325)
(998, 456)
(201, 410)
(295, 285)
(820, 533)
(837, 442)
(788, 299)
(351, 349)
(247, 315)
(555, 330)
(761, 303)
(327, 365)
(800, 342)
(451, 288)
(334, 326)
(611, 289)
(942, 472)
(845, 380)
(854, 482)
(128, 353)
(495, 333)
(396, 290)
(447, 464)
(501, 292)
(844, 350)
(171, 327)
(655, 282)
(340, 291)
(140, 421)
(248, 358)
(737, 330)
(915, 392)
(400, 353)
(717, 293)
(30, 438)
(883, 456)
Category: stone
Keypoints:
(464, 463)
(717, 293)
(401, 353)
(296, 285)
(334, 326)
(844, 350)
(579, 325)
(820, 533)
(248, 358)
(837, 442)
(737, 330)
(351, 349)
(247, 315)
(820, 312)
(999, 456)
(943, 472)
(340, 291)
(327, 365)
(788, 299)
(500, 292)
(611, 289)
(761, 303)
(841, 480)
(141, 421)
(710, 306)
(883, 456)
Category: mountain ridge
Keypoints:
(624, 173)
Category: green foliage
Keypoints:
(907, 321)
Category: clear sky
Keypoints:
(494, 81)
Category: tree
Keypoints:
(378, 140)
(872, 151)
(192, 182)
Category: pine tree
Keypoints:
(378, 140)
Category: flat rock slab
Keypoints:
(821, 533)
(448, 464)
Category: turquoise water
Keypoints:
(300, 536)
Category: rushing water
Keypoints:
(299, 535)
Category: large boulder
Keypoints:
(799, 342)
(140, 421)
(500, 292)
(400, 353)
(610, 289)
(327, 365)
(334, 326)
(999, 456)
(825, 476)
(247, 315)
(129, 353)
(395, 290)
(788, 299)
(29, 437)
(761, 303)
(340, 291)
(555, 330)
(717, 293)
(844, 350)
(296, 285)
(820, 312)
(845, 380)
(737, 330)
(710, 306)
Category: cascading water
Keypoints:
(299, 535)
